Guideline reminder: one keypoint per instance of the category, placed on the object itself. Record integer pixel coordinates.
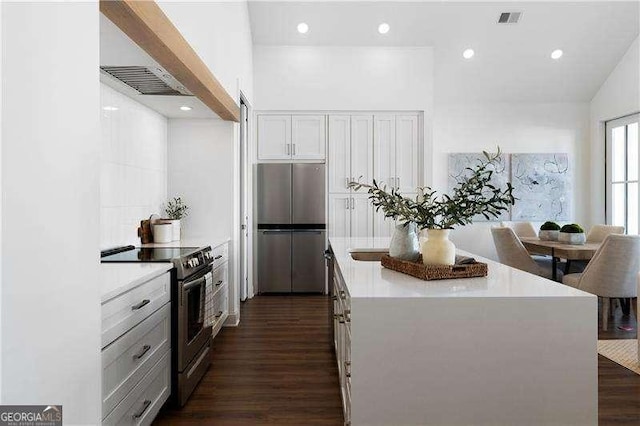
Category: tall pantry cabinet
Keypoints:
(364, 147)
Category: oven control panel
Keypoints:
(194, 262)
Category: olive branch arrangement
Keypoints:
(176, 209)
(472, 196)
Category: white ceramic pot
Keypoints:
(163, 233)
(438, 249)
(572, 238)
(404, 243)
(175, 223)
(548, 235)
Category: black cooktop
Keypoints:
(132, 254)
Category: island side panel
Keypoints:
(481, 361)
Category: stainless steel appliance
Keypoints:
(190, 337)
(291, 228)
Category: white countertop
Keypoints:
(117, 278)
(371, 280)
(192, 242)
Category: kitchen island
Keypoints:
(509, 348)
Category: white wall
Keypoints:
(201, 171)
(618, 96)
(133, 183)
(346, 78)
(50, 186)
(220, 33)
(516, 128)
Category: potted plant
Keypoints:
(474, 195)
(549, 231)
(176, 210)
(572, 234)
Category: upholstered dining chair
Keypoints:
(521, 229)
(611, 273)
(598, 233)
(512, 253)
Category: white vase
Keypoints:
(576, 238)
(404, 243)
(175, 223)
(548, 235)
(162, 233)
(438, 249)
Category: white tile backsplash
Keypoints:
(133, 178)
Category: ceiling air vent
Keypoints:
(147, 80)
(509, 17)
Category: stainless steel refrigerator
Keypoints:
(291, 228)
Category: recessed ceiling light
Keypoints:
(303, 28)
(383, 28)
(110, 108)
(185, 108)
(557, 54)
(468, 54)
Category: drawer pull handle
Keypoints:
(339, 317)
(343, 294)
(144, 407)
(347, 368)
(219, 314)
(218, 257)
(144, 350)
(347, 315)
(140, 305)
(218, 283)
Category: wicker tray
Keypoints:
(434, 272)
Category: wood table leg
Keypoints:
(554, 266)
(567, 267)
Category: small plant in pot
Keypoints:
(549, 231)
(438, 214)
(572, 234)
(176, 210)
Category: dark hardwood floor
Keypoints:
(277, 368)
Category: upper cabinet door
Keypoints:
(382, 226)
(362, 148)
(408, 159)
(308, 137)
(339, 162)
(274, 137)
(384, 146)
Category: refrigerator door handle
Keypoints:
(275, 231)
(287, 148)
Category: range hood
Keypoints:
(147, 80)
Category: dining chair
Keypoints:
(611, 273)
(521, 229)
(512, 253)
(598, 233)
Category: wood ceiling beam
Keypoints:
(147, 25)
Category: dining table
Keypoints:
(559, 250)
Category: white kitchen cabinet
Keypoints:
(384, 157)
(291, 137)
(339, 215)
(308, 140)
(382, 226)
(274, 137)
(362, 148)
(407, 154)
(396, 152)
(361, 216)
(216, 305)
(339, 161)
(136, 352)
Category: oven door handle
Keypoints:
(196, 283)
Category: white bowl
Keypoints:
(577, 239)
(548, 235)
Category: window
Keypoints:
(622, 172)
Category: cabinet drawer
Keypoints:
(142, 404)
(220, 279)
(220, 255)
(129, 358)
(123, 312)
(217, 307)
